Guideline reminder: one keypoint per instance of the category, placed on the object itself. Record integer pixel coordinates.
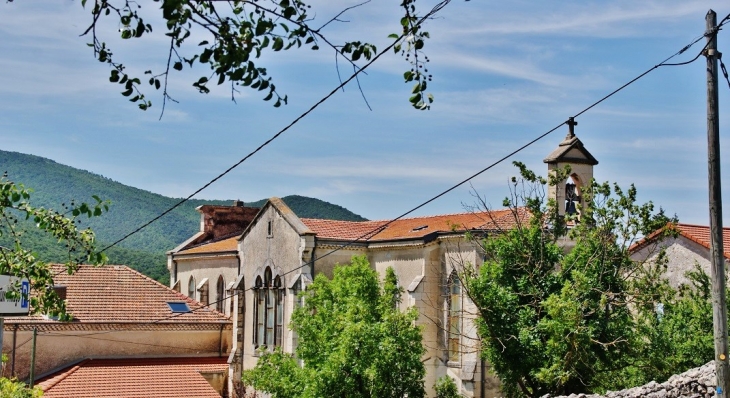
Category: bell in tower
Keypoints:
(570, 152)
(571, 198)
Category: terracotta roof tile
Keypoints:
(230, 244)
(119, 294)
(414, 228)
(159, 377)
(700, 234)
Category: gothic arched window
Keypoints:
(269, 314)
(220, 289)
(454, 316)
(191, 288)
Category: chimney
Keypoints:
(237, 203)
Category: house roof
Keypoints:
(416, 227)
(699, 234)
(114, 294)
(161, 377)
(224, 245)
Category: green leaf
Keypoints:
(416, 88)
(260, 27)
(128, 92)
(393, 36)
(414, 99)
(177, 65)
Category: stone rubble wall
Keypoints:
(694, 383)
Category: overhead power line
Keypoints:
(428, 15)
(368, 235)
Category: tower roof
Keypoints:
(571, 150)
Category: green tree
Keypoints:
(557, 322)
(15, 389)
(353, 341)
(676, 334)
(79, 245)
(445, 387)
(235, 34)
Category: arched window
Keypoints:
(220, 289)
(191, 288)
(454, 317)
(269, 315)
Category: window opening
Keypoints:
(454, 320)
(221, 295)
(178, 307)
(269, 316)
(572, 197)
(191, 288)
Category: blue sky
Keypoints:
(504, 73)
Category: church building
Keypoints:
(251, 264)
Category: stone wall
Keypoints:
(694, 383)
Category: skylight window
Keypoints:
(178, 307)
(422, 227)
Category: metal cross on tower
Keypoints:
(571, 127)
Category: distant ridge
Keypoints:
(54, 183)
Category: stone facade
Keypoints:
(280, 254)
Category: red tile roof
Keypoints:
(416, 227)
(700, 234)
(163, 377)
(118, 294)
(230, 244)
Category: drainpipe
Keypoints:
(238, 257)
(220, 342)
(15, 339)
(243, 326)
(314, 252)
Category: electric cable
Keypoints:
(438, 7)
(368, 235)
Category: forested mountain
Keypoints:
(54, 184)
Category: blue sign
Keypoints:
(25, 294)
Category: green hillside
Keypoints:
(54, 184)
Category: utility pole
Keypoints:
(719, 308)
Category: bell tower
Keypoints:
(569, 194)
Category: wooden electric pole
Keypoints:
(719, 309)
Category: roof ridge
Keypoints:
(697, 225)
(416, 217)
(71, 371)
